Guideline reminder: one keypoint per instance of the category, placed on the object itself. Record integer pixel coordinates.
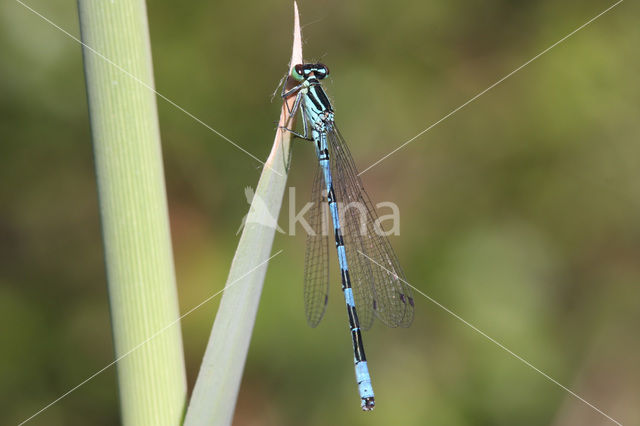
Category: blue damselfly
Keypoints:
(370, 291)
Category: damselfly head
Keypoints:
(301, 72)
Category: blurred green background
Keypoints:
(520, 213)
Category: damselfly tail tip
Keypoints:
(368, 403)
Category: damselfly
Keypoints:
(373, 283)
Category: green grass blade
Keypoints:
(133, 208)
(216, 390)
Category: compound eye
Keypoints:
(322, 71)
(298, 72)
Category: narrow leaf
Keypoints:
(216, 390)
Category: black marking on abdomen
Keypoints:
(346, 278)
(331, 196)
(356, 336)
(353, 317)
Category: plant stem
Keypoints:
(133, 208)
